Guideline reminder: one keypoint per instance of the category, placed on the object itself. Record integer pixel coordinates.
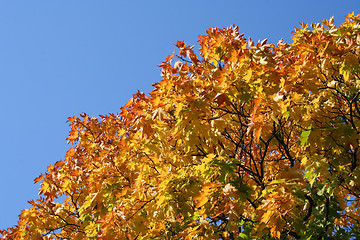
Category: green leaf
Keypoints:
(243, 236)
(287, 114)
(278, 181)
(305, 135)
(321, 191)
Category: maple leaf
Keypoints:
(222, 99)
(39, 178)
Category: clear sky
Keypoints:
(62, 58)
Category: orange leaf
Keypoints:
(39, 178)
(71, 119)
(58, 164)
(201, 201)
(169, 57)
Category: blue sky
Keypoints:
(62, 58)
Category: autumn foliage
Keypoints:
(241, 140)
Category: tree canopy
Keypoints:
(239, 140)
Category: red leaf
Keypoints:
(221, 99)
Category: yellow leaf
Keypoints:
(208, 158)
(161, 200)
(66, 184)
(266, 217)
(248, 75)
(275, 232)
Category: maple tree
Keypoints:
(240, 141)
